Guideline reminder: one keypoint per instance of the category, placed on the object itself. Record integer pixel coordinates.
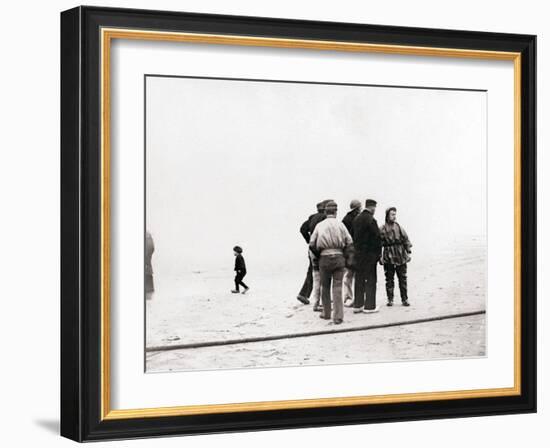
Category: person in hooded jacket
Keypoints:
(396, 253)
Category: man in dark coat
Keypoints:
(308, 226)
(306, 229)
(355, 209)
(366, 238)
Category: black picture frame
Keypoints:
(81, 224)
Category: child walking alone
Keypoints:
(240, 269)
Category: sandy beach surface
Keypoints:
(455, 338)
(198, 307)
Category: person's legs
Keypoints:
(348, 285)
(241, 281)
(389, 272)
(402, 277)
(238, 279)
(359, 296)
(316, 282)
(305, 291)
(370, 290)
(337, 276)
(149, 286)
(316, 289)
(326, 278)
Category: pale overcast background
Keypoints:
(239, 162)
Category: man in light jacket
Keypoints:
(331, 242)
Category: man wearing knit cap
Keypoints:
(355, 209)
(366, 237)
(330, 241)
(396, 250)
(306, 229)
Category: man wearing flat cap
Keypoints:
(330, 242)
(366, 239)
(355, 209)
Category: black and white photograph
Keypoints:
(307, 223)
(275, 224)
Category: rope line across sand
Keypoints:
(248, 340)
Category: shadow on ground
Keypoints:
(51, 426)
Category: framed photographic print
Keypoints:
(272, 223)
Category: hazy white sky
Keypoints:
(234, 162)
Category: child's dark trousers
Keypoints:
(239, 280)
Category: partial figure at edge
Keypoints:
(149, 249)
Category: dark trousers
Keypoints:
(365, 281)
(390, 270)
(331, 269)
(239, 280)
(149, 284)
(307, 287)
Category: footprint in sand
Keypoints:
(172, 339)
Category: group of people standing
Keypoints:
(343, 259)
